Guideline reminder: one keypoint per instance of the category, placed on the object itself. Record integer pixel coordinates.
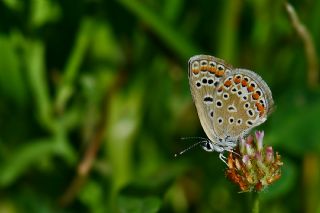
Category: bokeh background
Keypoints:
(94, 99)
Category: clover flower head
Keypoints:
(254, 167)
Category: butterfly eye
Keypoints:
(207, 146)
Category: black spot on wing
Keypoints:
(208, 99)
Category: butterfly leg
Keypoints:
(233, 152)
(223, 158)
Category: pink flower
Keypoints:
(259, 137)
(254, 167)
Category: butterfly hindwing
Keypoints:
(242, 101)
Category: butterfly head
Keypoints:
(211, 147)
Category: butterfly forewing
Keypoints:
(205, 73)
(242, 101)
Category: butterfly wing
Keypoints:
(242, 101)
(205, 73)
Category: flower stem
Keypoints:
(255, 202)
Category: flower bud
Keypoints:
(269, 154)
(246, 161)
(250, 139)
(259, 137)
(249, 149)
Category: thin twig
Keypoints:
(85, 165)
(310, 51)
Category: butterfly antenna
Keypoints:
(188, 138)
(190, 147)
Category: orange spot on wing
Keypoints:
(195, 71)
(220, 89)
(260, 108)
(244, 83)
(219, 73)
(212, 70)
(250, 88)
(203, 68)
(228, 83)
(237, 80)
(255, 96)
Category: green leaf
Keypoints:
(123, 122)
(105, 46)
(36, 71)
(44, 11)
(23, 158)
(12, 85)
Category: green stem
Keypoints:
(229, 30)
(255, 202)
(72, 69)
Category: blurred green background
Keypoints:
(94, 99)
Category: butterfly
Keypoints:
(229, 101)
